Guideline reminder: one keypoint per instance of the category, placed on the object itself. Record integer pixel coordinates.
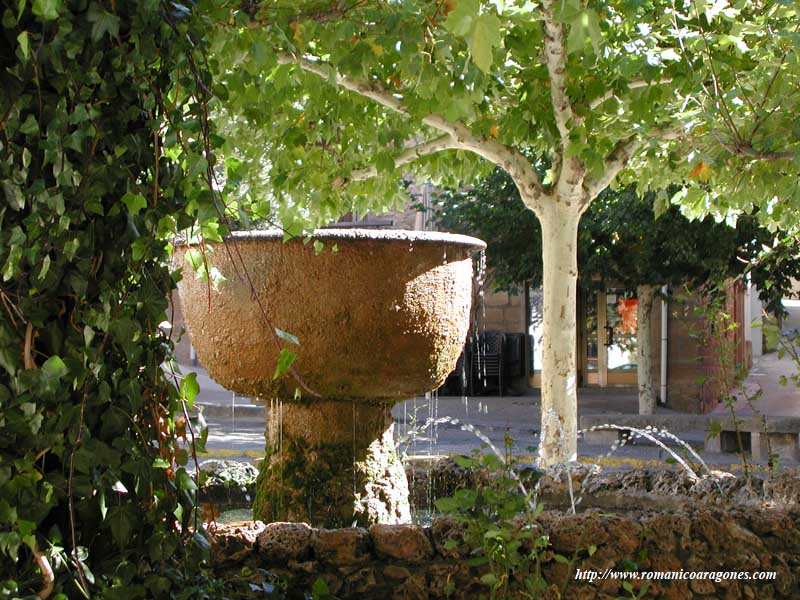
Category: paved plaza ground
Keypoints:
(237, 425)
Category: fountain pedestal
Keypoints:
(331, 462)
(380, 316)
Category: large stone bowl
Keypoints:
(380, 316)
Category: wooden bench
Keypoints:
(782, 433)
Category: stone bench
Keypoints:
(783, 433)
(779, 434)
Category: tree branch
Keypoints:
(745, 150)
(507, 158)
(556, 60)
(632, 85)
(615, 162)
(410, 154)
(618, 158)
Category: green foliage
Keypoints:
(718, 331)
(499, 528)
(101, 118)
(712, 98)
(787, 345)
(621, 239)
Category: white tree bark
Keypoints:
(558, 208)
(559, 427)
(647, 399)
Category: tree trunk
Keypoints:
(559, 222)
(647, 399)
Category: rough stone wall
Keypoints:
(413, 562)
(503, 312)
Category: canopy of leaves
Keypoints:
(701, 92)
(621, 240)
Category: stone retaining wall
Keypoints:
(413, 562)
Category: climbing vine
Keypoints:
(105, 153)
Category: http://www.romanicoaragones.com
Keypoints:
(715, 576)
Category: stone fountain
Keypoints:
(380, 315)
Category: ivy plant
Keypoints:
(104, 155)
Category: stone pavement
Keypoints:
(237, 425)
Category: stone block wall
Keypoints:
(502, 311)
(411, 562)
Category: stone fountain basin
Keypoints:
(379, 314)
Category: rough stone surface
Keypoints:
(342, 546)
(235, 542)
(227, 482)
(331, 464)
(284, 542)
(401, 562)
(444, 530)
(380, 317)
(381, 296)
(409, 543)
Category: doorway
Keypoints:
(609, 344)
(606, 342)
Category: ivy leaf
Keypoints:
(47, 9)
(285, 335)
(103, 22)
(189, 389)
(197, 165)
(54, 368)
(484, 39)
(13, 195)
(45, 267)
(285, 360)
(184, 481)
(30, 126)
(24, 44)
(120, 523)
(134, 202)
(9, 544)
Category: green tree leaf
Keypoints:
(460, 19)
(484, 38)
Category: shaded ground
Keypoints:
(237, 425)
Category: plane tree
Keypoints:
(325, 106)
(621, 241)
